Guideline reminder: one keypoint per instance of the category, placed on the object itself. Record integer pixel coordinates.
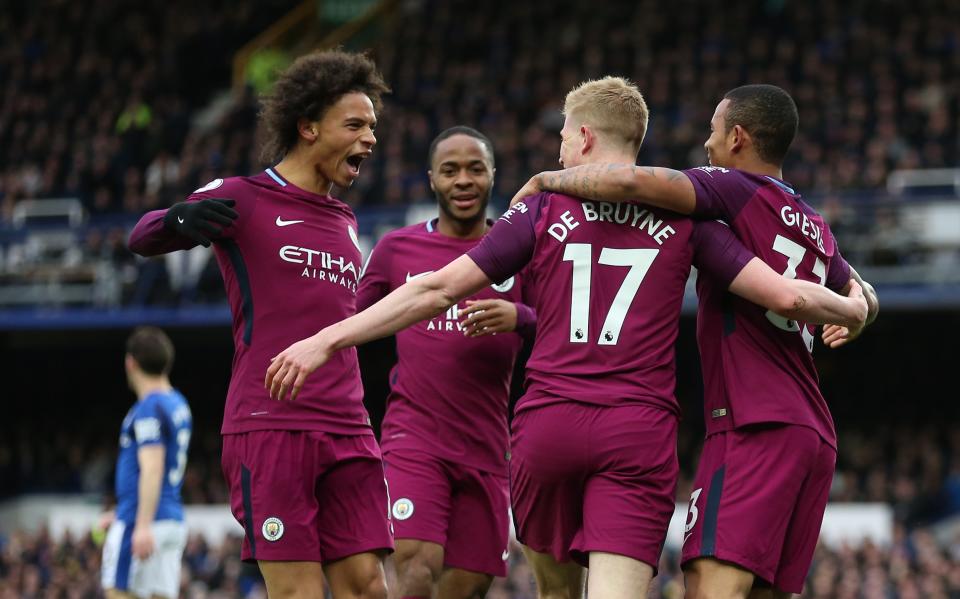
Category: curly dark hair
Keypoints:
(307, 88)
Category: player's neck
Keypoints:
(610, 157)
(147, 385)
(461, 230)
(297, 169)
(756, 166)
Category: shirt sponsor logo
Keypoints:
(322, 265)
(287, 223)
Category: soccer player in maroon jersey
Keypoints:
(445, 437)
(594, 467)
(763, 481)
(306, 480)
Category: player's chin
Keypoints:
(346, 177)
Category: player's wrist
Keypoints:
(175, 217)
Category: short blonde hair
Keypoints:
(613, 106)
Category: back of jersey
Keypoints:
(160, 418)
(609, 281)
(758, 366)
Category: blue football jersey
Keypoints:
(160, 417)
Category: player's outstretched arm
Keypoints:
(492, 316)
(835, 336)
(797, 299)
(410, 303)
(182, 226)
(150, 458)
(661, 187)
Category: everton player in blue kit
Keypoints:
(144, 545)
(306, 480)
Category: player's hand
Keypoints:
(834, 335)
(201, 221)
(532, 187)
(106, 519)
(142, 541)
(290, 368)
(488, 317)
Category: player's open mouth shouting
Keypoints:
(354, 161)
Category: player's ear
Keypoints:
(430, 177)
(130, 364)
(307, 129)
(589, 139)
(737, 139)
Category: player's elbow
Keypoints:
(139, 246)
(135, 245)
(443, 299)
(435, 298)
(787, 301)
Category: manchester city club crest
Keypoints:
(402, 508)
(272, 529)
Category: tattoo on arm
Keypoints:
(799, 302)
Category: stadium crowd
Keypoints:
(915, 470)
(117, 116)
(109, 115)
(914, 566)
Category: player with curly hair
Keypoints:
(306, 480)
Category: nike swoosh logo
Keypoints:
(417, 276)
(506, 555)
(180, 220)
(287, 223)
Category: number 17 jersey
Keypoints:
(609, 282)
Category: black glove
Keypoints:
(199, 220)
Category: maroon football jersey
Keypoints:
(449, 393)
(291, 264)
(608, 281)
(757, 366)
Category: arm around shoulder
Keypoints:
(661, 187)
